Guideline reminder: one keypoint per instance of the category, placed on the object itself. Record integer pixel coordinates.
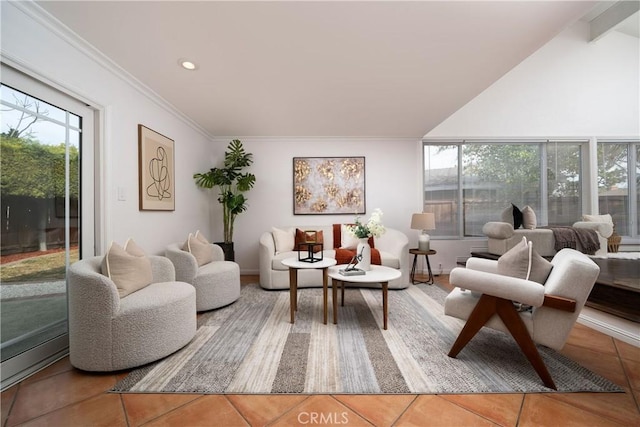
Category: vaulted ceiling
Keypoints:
(318, 68)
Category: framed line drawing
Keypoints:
(328, 185)
(156, 165)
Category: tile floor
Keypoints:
(60, 395)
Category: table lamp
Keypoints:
(423, 221)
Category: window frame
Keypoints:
(543, 143)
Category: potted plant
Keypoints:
(232, 183)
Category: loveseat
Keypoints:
(502, 237)
(393, 246)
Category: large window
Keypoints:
(46, 146)
(470, 183)
(618, 184)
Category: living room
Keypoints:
(564, 88)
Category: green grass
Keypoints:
(37, 269)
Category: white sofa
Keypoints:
(393, 246)
(502, 237)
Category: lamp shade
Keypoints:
(423, 221)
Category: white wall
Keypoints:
(568, 88)
(392, 184)
(30, 42)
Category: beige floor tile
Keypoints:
(620, 407)
(261, 409)
(141, 408)
(213, 410)
(502, 409)
(322, 410)
(541, 410)
(433, 411)
(103, 410)
(380, 410)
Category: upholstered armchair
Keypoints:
(108, 332)
(217, 281)
(483, 297)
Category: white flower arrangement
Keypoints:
(372, 228)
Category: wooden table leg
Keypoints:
(293, 292)
(334, 292)
(385, 305)
(431, 280)
(325, 280)
(412, 276)
(342, 292)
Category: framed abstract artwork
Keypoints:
(328, 185)
(156, 165)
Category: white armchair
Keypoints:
(109, 333)
(217, 283)
(481, 292)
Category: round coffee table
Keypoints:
(295, 265)
(377, 274)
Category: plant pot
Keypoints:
(227, 248)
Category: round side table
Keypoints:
(426, 254)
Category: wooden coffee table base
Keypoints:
(334, 290)
(377, 274)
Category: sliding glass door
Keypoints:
(44, 134)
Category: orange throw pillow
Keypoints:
(301, 240)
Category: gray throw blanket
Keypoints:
(569, 237)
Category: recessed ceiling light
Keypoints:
(187, 65)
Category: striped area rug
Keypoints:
(251, 347)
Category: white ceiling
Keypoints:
(318, 68)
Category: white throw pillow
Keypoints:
(598, 218)
(128, 267)
(347, 240)
(198, 246)
(283, 239)
(523, 262)
(507, 215)
(529, 220)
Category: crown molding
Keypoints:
(51, 23)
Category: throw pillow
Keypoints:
(523, 262)
(515, 262)
(507, 215)
(128, 267)
(284, 240)
(598, 218)
(540, 267)
(347, 240)
(517, 217)
(301, 239)
(529, 220)
(198, 246)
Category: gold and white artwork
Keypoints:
(328, 185)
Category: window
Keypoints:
(467, 184)
(618, 175)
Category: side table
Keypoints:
(426, 254)
(295, 265)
